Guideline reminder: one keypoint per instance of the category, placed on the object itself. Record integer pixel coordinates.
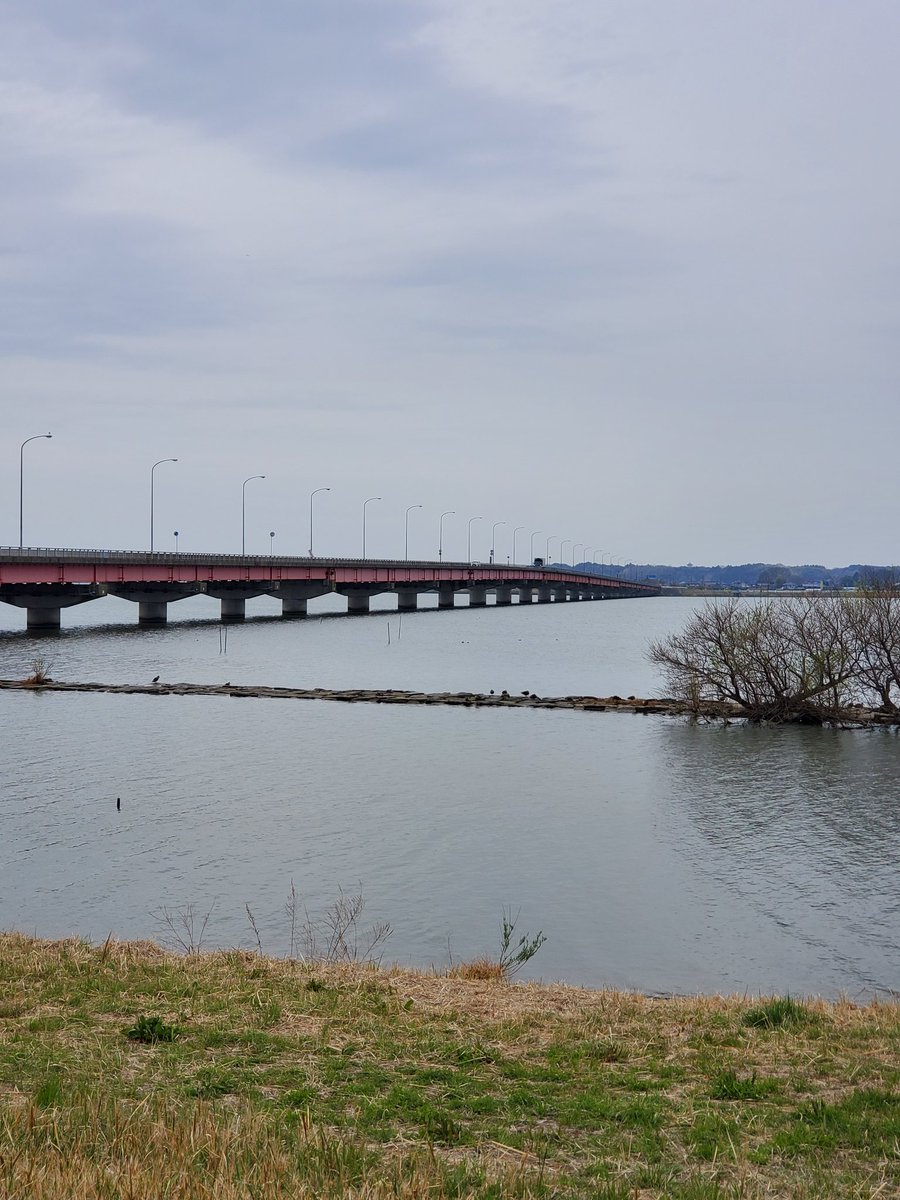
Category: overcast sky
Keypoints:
(621, 271)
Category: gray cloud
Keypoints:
(624, 271)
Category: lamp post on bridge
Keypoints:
(152, 472)
(175, 536)
(518, 529)
(551, 538)
(244, 511)
(311, 494)
(365, 504)
(469, 537)
(574, 555)
(533, 536)
(406, 531)
(451, 512)
(22, 476)
(271, 543)
(562, 554)
(494, 528)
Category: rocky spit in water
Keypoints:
(708, 709)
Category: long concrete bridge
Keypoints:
(43, 582)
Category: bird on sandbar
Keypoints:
(155, 679)
(118, 803)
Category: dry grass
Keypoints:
(293, 1079)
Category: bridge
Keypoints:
(44, 582)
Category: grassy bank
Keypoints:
(252, 1077)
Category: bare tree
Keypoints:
(778, 660)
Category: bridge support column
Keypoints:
(407, 601)
(358, 602)
(544, 593)
(525, 596)
(43, 620)
(233, 608)
(152, 612)
(477, 597)
(559, 593)
(504, 595)
(445, 598)
(293, 606)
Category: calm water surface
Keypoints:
(654, 854)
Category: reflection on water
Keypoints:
(654, 853)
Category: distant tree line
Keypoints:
(800, 659)
(772, 576)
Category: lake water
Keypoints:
(655, 854)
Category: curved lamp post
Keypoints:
(469, 537)
(494, 529)
(21, 475)
(574, 555)
(552, 538)
(152, 470)
(365, 503)
(406, 531)
(451, 512)
(533, 536)
(562, 553)
(518, 529)
(244, 511)
(311, 494)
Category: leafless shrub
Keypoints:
(40, 672)
(183, 928)
(254, 927)
(337, 936)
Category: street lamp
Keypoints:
(493, 535)
(406, 531)
(244, 511)
(152, 469)
(451, 512)
(518, 529)
(21, 475)
(574, 555)
(533, 536)
(366, 502)
(271, 543)
(588, 552)
(562, 553)
(311, 494)
(175, 536)
(469, 537)
(551, 538)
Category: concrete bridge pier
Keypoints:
(504, 595)
(43, 609)
(477, 596)
(358, 598)
(544, 593)
(407, 601)
(233, 608)
(525, 594)
(294, 597)
(153, 601)
(445, 598)
(293, 606)
(153, 612)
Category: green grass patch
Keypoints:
(328, 1081)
